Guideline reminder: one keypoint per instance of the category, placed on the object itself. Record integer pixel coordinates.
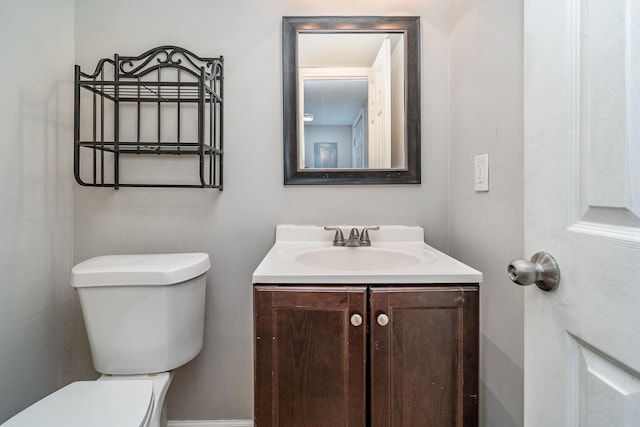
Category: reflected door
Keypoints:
(325, 155)
(380, 109)
(582, 205)
(359, 146)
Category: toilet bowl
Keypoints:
(144, 316)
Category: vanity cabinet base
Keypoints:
(361, 356)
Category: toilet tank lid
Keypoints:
(138, 270)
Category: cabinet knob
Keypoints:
(356, 320)
(383, 319)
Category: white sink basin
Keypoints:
(304, 254)
(359, 259)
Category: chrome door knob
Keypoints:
(542, 270)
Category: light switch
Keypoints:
(481, 172)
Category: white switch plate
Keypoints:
(481, 172)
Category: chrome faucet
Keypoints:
(338, 239)
(364, 236)
(356, 238)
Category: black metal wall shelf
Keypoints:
(166, 101)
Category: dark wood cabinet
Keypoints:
(412, 361)
(424, 362)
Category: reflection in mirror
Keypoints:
(351, 100)
(334, 110)
(349, 86)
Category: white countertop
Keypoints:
(417, 262)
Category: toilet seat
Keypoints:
(91, 403)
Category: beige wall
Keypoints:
(36, 198)
(486, 229)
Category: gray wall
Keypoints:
(486, 229)
(471, 104)
(36, 217)
(236, 227)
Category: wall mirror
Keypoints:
(351, 100)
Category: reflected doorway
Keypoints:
(325, 155)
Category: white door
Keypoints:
(582, 205)
(358, 141)
(380, 109)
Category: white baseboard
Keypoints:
(211, 423)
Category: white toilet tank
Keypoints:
(143, 313)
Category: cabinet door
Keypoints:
(424, 361)
(310, 358)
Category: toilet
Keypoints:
(144, 316)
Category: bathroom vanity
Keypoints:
(385, 335)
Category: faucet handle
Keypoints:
(338, 239)
(364, 236)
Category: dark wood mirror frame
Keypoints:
(409, 26)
